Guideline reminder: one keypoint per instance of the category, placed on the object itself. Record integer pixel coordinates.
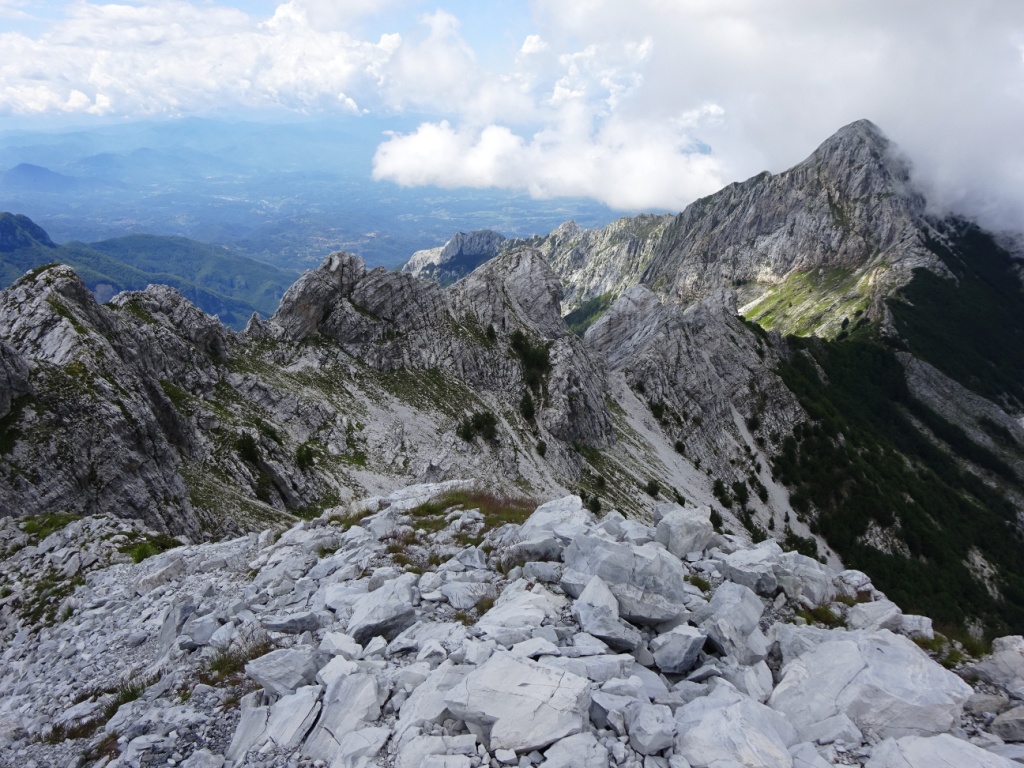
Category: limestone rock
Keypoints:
(685, 530)
(521, 705)
(598, 613)
(881, 681)
(385, 611)
(647, 581)
(676, 651)
(922, 752)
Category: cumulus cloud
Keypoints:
(646, 104)
(175, 57)
(626, 94)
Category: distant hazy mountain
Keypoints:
(283, 193)
(217, 281)
(26, 177)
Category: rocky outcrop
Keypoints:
(325, 642)
(706, 377)
(99, 433)
(806, 248)
(457, 258)
(13, 377)
(598, 262)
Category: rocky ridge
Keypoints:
(458, 257)
(146, 408)
(488, 636)
(830, 238)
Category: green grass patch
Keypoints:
(588, 313)
(41, 526)
(228, 663)
(149, 545)
(809, 303)
(179, 398)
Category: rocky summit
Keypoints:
(437, 626)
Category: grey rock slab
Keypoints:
(676, 651)
(1009, 726)
(600, 669)
(648, 581)
(385, 611)
(682, 530)
(754, 568)
(562, 518)
(446, 761)
(728, 729)
(608, 710)
(731, 619)
(465, 595)
(349, 704)
(881, 681)
(203, 758)
(579, 751)
(597, 611)
(806, 756)
(1005, 667)
(804, 579)
(293, 623)
(916, 627)
(942, 750)
(526, 705)
(549, 573)
(521, 606)
(251, 731)
(292, 716)
(282, 671)
(340, 644)
(880, 614)
(986, 702)
(427, 703)
(651, 727)
(358, 747)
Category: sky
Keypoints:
(641, 105)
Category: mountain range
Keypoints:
(218, 281)
(812, 355)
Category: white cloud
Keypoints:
(623, 92)
(177, 57)
(600, 98)
(627, 165)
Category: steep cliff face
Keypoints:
(97, 432)
(708, 382)
(602, 262)
(458, 257)
(825, 241)
(148, 408)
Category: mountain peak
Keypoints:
(18, 231)
(857, 144)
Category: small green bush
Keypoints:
(526, 407)
(722, 494)
(653, 488)
(482, 423)
(247, 449)
(305, 457)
